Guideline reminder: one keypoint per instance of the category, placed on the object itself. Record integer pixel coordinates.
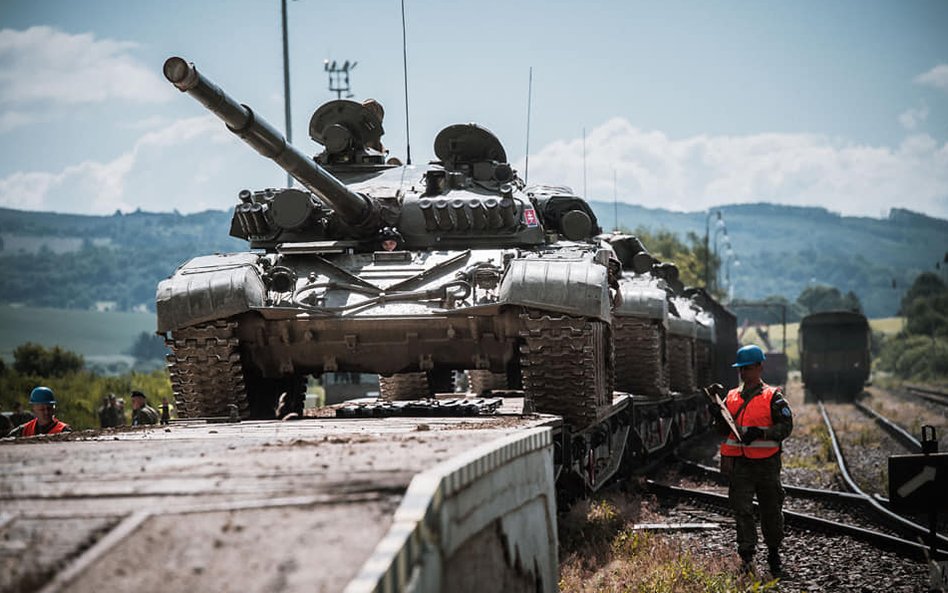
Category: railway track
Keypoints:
(901, 435)
(876, 503)
(901, 546)
(937, 396)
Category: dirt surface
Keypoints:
(266, 506)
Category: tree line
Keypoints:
(920, 351)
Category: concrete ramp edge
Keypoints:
(483, 520)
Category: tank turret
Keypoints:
(357, 211)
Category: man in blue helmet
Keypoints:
(43, 403)
(764, 418)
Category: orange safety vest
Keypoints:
(755, 413)
(30, 428)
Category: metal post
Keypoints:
(585, 194)
(405, 71)
(707, 252)
(526, 161)
(286, 86)
(615, 201)
(783, 320)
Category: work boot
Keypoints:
(773, 560)
(747, 564)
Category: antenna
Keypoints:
(615, 200)
(339, 77)
(526, 164)
(585, 195)
(286, 86)
(405, 70)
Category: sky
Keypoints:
(683, 105)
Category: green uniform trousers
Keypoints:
(760, 477)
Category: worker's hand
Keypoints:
(715, 389)
(752, 434)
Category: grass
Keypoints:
(602, 552)
(93, 334)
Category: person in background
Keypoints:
(389, 239)
(5, 424)
(165, 411)
(109, 412)
(18, 416)
(142, 413)
(43, 404)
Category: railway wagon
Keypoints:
(834, 353)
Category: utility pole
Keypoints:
(286, 86)
(585, 194)
(615, 201)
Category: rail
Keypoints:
(937, 396)
(896, 521)
(904, 547)
(903, 436)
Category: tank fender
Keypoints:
(574, 287)
(643, 301)
(207, 288)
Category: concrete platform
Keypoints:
(253, 506)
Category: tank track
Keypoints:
(681, 363)
(480, 380)
(403, 386)
(206, 372)
(418, 385)
(703, 362)
(641, 353)
(567, 364)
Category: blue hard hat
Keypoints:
(42, 395)
(749, 355)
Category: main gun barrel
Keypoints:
(354, 209)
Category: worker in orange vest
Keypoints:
(764, 418)
(43, 403)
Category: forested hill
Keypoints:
(782, 249)
(73, 261)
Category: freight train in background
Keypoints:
(835, 353)
(514, 285)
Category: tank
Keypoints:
(668, 338)
(641, 318)
(411, 272)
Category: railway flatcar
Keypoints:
(834, 353)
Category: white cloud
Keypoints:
(44, 64)
(911, 118)
(15, 119)
(195, 164)
(936, 77)
(698, 172)
(188, 165)
(43, 71)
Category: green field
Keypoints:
(94, 334)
